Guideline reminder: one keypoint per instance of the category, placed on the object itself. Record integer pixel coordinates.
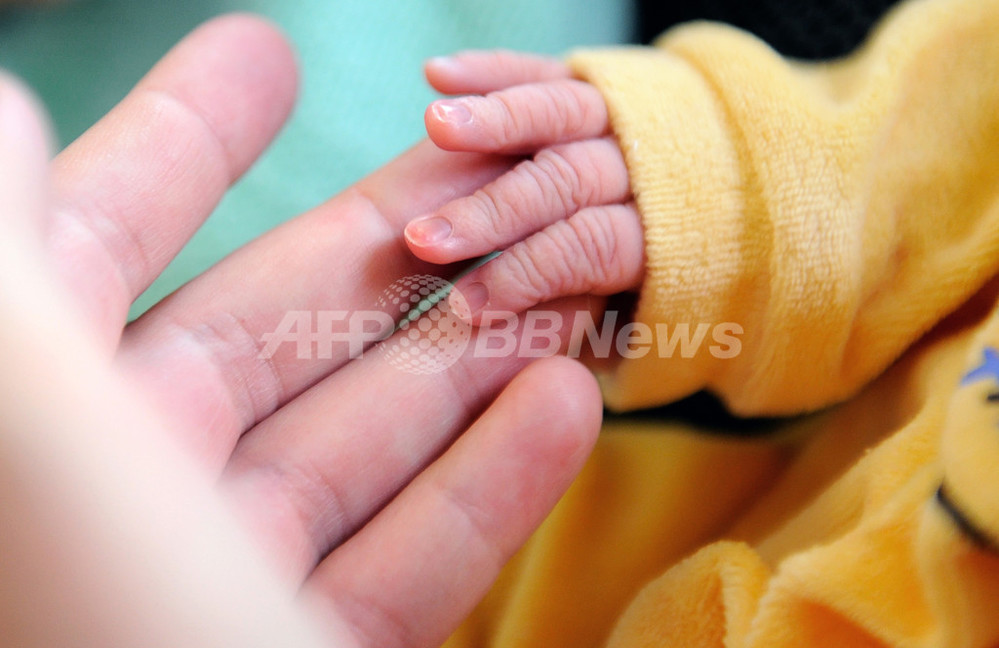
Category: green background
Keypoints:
(362, 90)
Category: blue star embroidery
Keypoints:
(988, 369)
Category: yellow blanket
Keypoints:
(845, 216)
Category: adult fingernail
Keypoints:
(428, 231)
(452, 111)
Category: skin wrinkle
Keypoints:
(307, 486)
(312, 487)
(597, 232)
(477, 521)
(587, 164)
(167, 97)
(368, 617)
(226, 338)
(566, 239)
(564, 450)
(562, 176)
(509, 127)
(554, 176)
(589, 239)
(560, 105)
(220, 417)
(383, 230)
(139, 257)
(568, 108)
(553, 246)
(189, 350)
(368, 206)
(520, 269)
(530, 176)
(276, 71)
(70, 244)
(121, 244)
(496, 216)
(292, 489)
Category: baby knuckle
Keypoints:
(589, 161)
(596, 242)
(514, 121)
(537, 269)
(557, 173)
(568, 110)
(485, 212)
(501, 207)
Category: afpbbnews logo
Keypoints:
(502, 334)
(422, 327)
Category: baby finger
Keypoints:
(519, 120)
(599, 250)
(557, 183)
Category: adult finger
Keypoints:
(520, 119)
(204, 353)
(555, 184)
(482, 71)
(313, 473)
(132, 189)
(599, 250)
(413, 573)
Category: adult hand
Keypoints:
(389, 500)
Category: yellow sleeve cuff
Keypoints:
(824, 216)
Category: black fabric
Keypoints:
(706, 412)
(808, 29)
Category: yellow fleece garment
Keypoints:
(834, 211)
(846, 217)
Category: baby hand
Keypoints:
(563, 219)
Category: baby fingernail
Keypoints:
(428, 231)
(443, 62)
(476, 296)
(453, 111)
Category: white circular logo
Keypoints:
(434, 327)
